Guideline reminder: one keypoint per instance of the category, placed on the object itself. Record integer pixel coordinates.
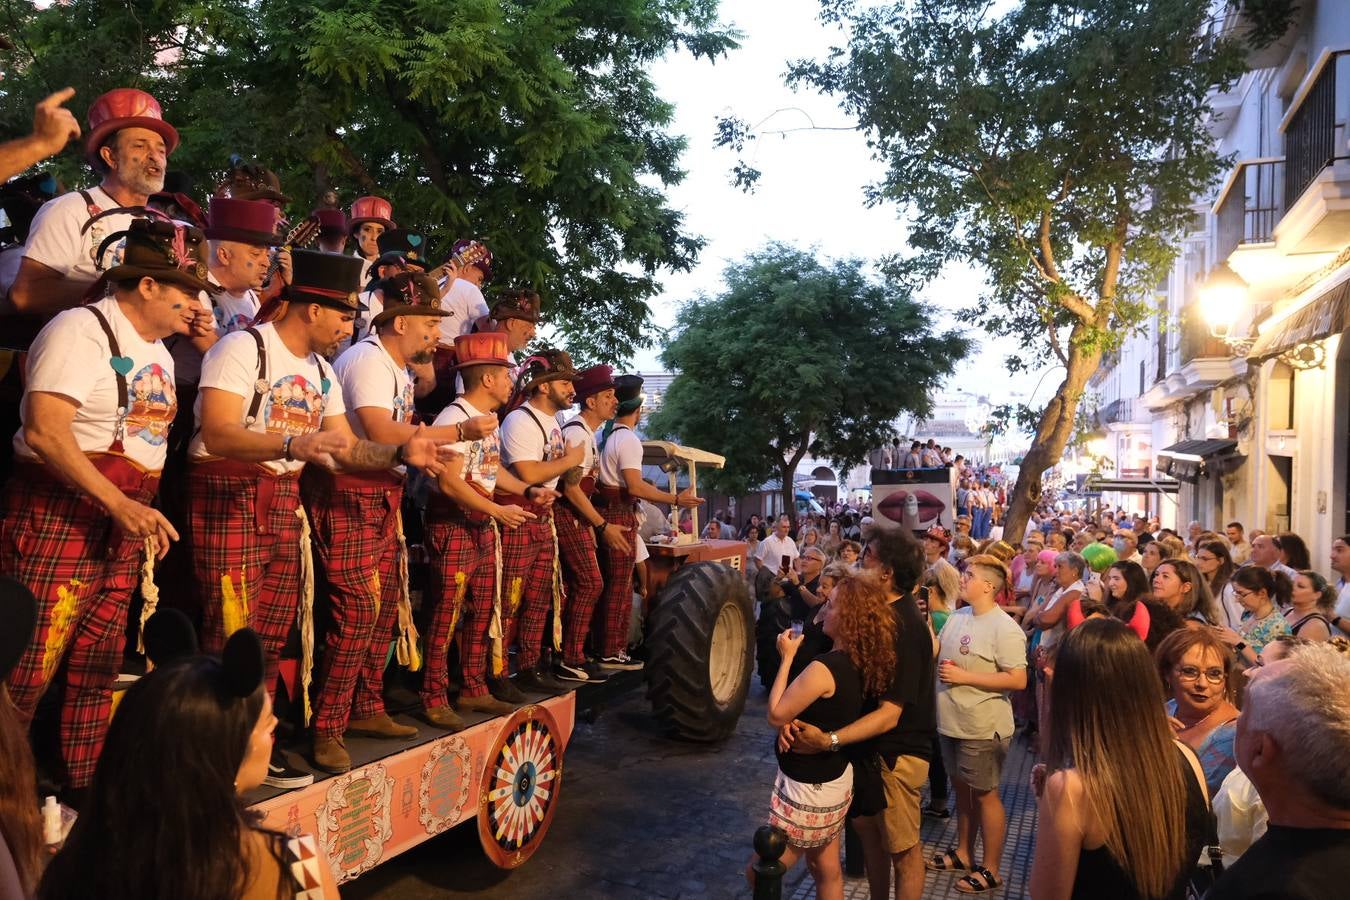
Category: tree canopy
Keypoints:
(799, 355)
(534, 126)
(1057, 145)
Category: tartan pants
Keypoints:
(527, 587)
(463, 582)
(581, 576)
(356, 541)
(246, 556)
(82, 570)
(616, 603)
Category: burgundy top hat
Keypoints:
(332, 222)
(371, 209)
(126, 108)
(245, 221)
(481, 348)
(592, 381)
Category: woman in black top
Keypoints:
(1123, 810)
(812, 792)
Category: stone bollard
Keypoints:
(770, 844)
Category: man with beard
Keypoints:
(268, 404)
(370, 218)
(128, 145)
(515, 314)
(534, 450)
(398, 253)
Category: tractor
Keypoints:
(699, 630)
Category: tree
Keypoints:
(1058, 145)
(532, 125)
(795, 356)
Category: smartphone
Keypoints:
(787, 562)
(797, 626)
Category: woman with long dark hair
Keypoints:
(1178, 585)
(1311, 605)
(1123, 807)
(1216, 564)
(164, 817)
(1294, 551)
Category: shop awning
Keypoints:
(1186, 461)
(1322, 317)
(1134, 485)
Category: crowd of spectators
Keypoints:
(1188, 697)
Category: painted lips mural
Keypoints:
(912, 508)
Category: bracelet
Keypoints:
(601, 526)
(286, 448)
(399, 458)
(531, 488)
(459, 432)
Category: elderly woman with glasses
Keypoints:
(1198, 671)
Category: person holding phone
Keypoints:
(778, 550)
(804, 597)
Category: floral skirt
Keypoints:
(810, 814)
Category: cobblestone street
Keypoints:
(642, 816)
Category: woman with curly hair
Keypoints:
(812, 792)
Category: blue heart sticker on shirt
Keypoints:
(121, 365)
(414, 239)
(325, 384)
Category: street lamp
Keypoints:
(1223, 298)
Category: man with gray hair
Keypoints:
(1293, 742)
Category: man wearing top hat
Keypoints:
(332, 229)
(580, 526)
(463, 519)
(78, 519)
(620, 487)
(400, 251)
(370, 217)
(128, 144)
(515, 315)
(268, 404)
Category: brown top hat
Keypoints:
(245, 221)
(408, 294)
(180, 206)
(516, 304)
(126, 108)
(248, 181)
(481, 348)
(543, 367)
(592, 381)
(164, 251)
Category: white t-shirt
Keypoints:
(772, 550)
(482, 457)
(576, 431)
(71, 357)
(529, 434)
(232, 312)
(301, 396)
(55, 240)
(1342, 595)
(370, 377)
(622, 451)
(464, 301)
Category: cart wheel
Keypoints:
(520, 787)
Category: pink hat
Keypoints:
(1047, 556)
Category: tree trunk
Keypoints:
(789, 493)
(1052, 436)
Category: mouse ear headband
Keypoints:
(242, 663)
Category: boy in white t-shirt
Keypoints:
(78, 517)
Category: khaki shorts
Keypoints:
(977, 764)
(904, 784)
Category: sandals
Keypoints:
(946, 861)
(969, 884)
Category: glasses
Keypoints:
(1242, 595)
(1205, 557)
(1191, 673)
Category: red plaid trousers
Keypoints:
(616, 603)
(245, 554)
(83, 571)
(354, 518)
(581, 576)
(463, 582)
(527, 587)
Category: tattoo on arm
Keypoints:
(370, 455)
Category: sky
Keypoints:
(811, 191)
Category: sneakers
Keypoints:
(620, 661)
(443, 717)
(586, 673)
(505, 691)
(381, 726)
(485, 704)
(936, 812)
(331, 756)
(539, 681)
(280, 774)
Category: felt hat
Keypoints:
(249, 181)
(409, 294)
(178, 206)
(126, 108)
(543, 367)
(592, 381)
(481, 348)
(628, 391)
(408, 244)
(164, 251)
(516, 304)
(245, 221)
(469, 252)
(332, 222)
(939, 534)
(329, 279)
(371, 209)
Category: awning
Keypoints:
(1187, 460)
(1321, 318)
(1134, 485)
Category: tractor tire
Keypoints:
(701, 652)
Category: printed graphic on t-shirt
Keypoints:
(153, 404)
(483, 460)
(294, 406)
(228, 323)
(557, 447)
(403, 404)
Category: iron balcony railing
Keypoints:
(1310, 132)
(1251, 202)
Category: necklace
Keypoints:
(1200, 721)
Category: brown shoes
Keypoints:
(381, 726)
(485, 704)
(443, 717)
(331, 756)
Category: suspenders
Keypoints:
(115, 352)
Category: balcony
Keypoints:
(1117, 412)
(1250, 202)
(1316, 187)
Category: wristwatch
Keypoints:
(834, 741)
(286, 448)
